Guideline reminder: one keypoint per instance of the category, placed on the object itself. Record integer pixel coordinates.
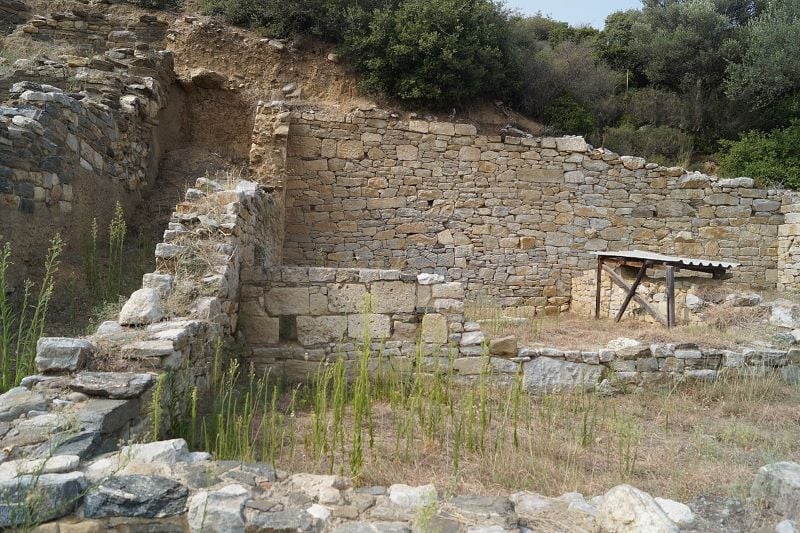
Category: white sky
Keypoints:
(576, 12)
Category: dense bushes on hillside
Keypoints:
(673, 76)
(441, 52)
(770, 157)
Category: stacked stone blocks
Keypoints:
(513, 217)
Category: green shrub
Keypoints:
(567, 116)
(326, 19)
(770, 157)
(156, 4)
(661, 144)
(439, 52)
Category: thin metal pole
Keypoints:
(597, 287)
(670, 296)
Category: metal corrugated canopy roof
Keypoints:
(678, 261)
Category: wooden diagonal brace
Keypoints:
(616, 278)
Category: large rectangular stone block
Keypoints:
(379, 326)
(287, 301)
(347, 298)
(313, 330)
(259, 329)
(434, 328)
(393, 297)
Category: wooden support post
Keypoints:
(632, 290)
(598, 291)
(670, 296)
(639, 300)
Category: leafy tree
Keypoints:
(770, 68)
(614, 43)
(432, 51)
(771, 157)
(566, 115)
(679, 43)
(282, 18)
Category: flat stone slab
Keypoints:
(136, 496)
(62, 354)
(545, 375)
(56, 495)
(114, 385)
(20, 400)
(107, 416)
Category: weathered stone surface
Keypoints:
(136, 496)
(373, 527)
(785, 314)
(287, 301)
(626, 509)
(218, 511)
(678, 512)
(142, 308)
(504, 346)
(529, 504)
(777, 486)
(736, 182)
(411, 498)
(208, 79)
(393, 296)
(52, 465)
(545, 375)
(115, 385)
(107, 416)
(18, 401)
(694, 181)
(434, 328)
(313, 330)
(632, 163)
(571, 144)
(56, 495)
(289, 521)
(377, 326)
(60, 354)
(472, 338)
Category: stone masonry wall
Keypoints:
(514, 217)
(91, 394)
(69, 151)
(295, 317)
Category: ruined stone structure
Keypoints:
(514, 217)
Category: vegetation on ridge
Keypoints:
(666, 81)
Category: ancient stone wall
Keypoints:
(168, 332)
(67, 154)
(514, 217)
(295, 317)
(789, 244)
(91, 30)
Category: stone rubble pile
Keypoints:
(162, 484)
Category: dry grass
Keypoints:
(678, 442)
(731, 327)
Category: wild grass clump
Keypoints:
(378, 419)
(21, 326)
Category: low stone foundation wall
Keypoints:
(627, 362)
(295, 317)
